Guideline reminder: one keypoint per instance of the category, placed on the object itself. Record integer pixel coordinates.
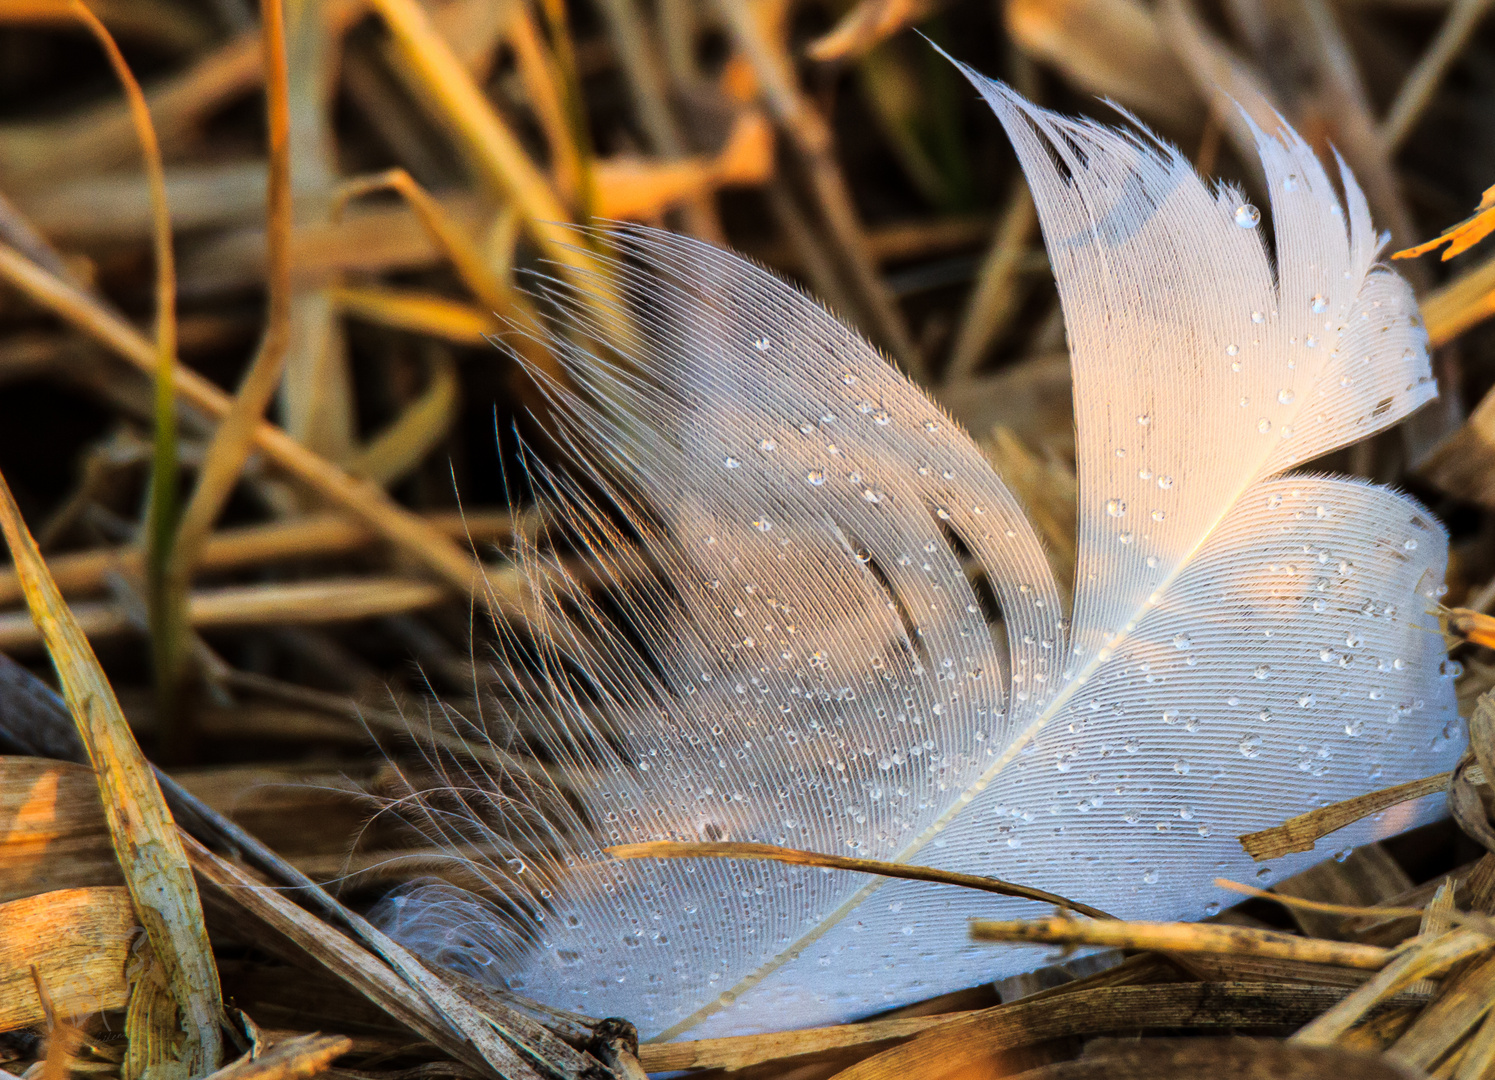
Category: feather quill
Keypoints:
(824, 622)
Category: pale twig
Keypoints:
(1184, 938)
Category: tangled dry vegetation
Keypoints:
(352, 186)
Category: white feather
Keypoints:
(792, 652)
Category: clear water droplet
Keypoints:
(762, 344)
(1258, 317)
(731, 462)
(1115, 507)
(1158, 515)
(1165, 482)
(1264, 425)
(1319, 304)
(1144, 420)
(815, 477)
(1232, 350)
(1181, 641)
(1285, 396)
(1247, 216)
(768, 446)
(1124, 538)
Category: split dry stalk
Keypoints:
(145, 839)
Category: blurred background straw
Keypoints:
(355, 193)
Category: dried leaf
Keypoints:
(78, 941)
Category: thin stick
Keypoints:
(666, 849)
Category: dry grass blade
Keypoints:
(145, 839)
(312, 537)
(404, 444)
(1464, 1002)
(1184, 938)
(740, 1051)
(1465, 301)
(995, 299)
(295, 604)
(77, 940)
(865, 26)
(494, 292)
(1417, 89)
(234, 436)
(364, 500)
(669, 850)
(422, 313)
(1302, 832)
(493, 148)
(163, 601)
(1424, 960)
(52, 830)
(294, 1059)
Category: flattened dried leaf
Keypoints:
(78, 941)
(52, 829)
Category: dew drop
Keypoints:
(1232, 350)
(1115, 507)
(1165, 482)
(1158, 515)
(1285, 397)
(1144, 420)
(1124, 538)
(762, 344)
(1318, 305)
(1246, 216)
(1258, 317)
(768, 446)
(1263, 425)
(731, 462)
(1290, 182)
(1182, 641)
(815, 477)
